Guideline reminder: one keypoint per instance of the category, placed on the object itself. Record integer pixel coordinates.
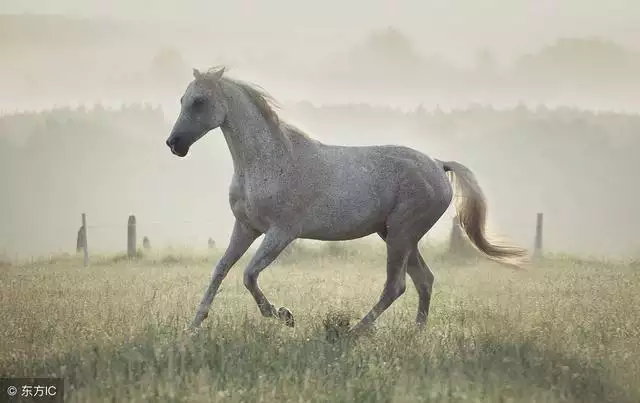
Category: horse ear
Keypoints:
(217, 74)
(196, 74)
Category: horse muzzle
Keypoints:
(177, 147)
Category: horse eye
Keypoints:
(198, 103)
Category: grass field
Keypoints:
(566, 330)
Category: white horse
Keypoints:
(287, 186)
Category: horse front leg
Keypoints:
(241, 238)
(274, 242)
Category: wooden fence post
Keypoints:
(80, 239)
(537, 248)
(131, 237)
(85, 244)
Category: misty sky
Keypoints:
(457, 29)
(506, 27)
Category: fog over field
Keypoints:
(539, 98)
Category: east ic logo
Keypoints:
(32, 391)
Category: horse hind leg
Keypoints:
(395, 285)
(423, 280)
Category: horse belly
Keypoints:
(350, 214)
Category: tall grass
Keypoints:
(565, 330)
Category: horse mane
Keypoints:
(266, 104)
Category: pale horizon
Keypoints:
(457, 28)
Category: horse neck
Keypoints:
(252, 141)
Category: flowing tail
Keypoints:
(472, 213)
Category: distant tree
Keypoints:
(486, 63)
(584, 61)
(386, 46)
(168, 63)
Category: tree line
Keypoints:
(576, 166)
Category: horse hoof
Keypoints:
(286, 316)
(361, 331)
(191, 331)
